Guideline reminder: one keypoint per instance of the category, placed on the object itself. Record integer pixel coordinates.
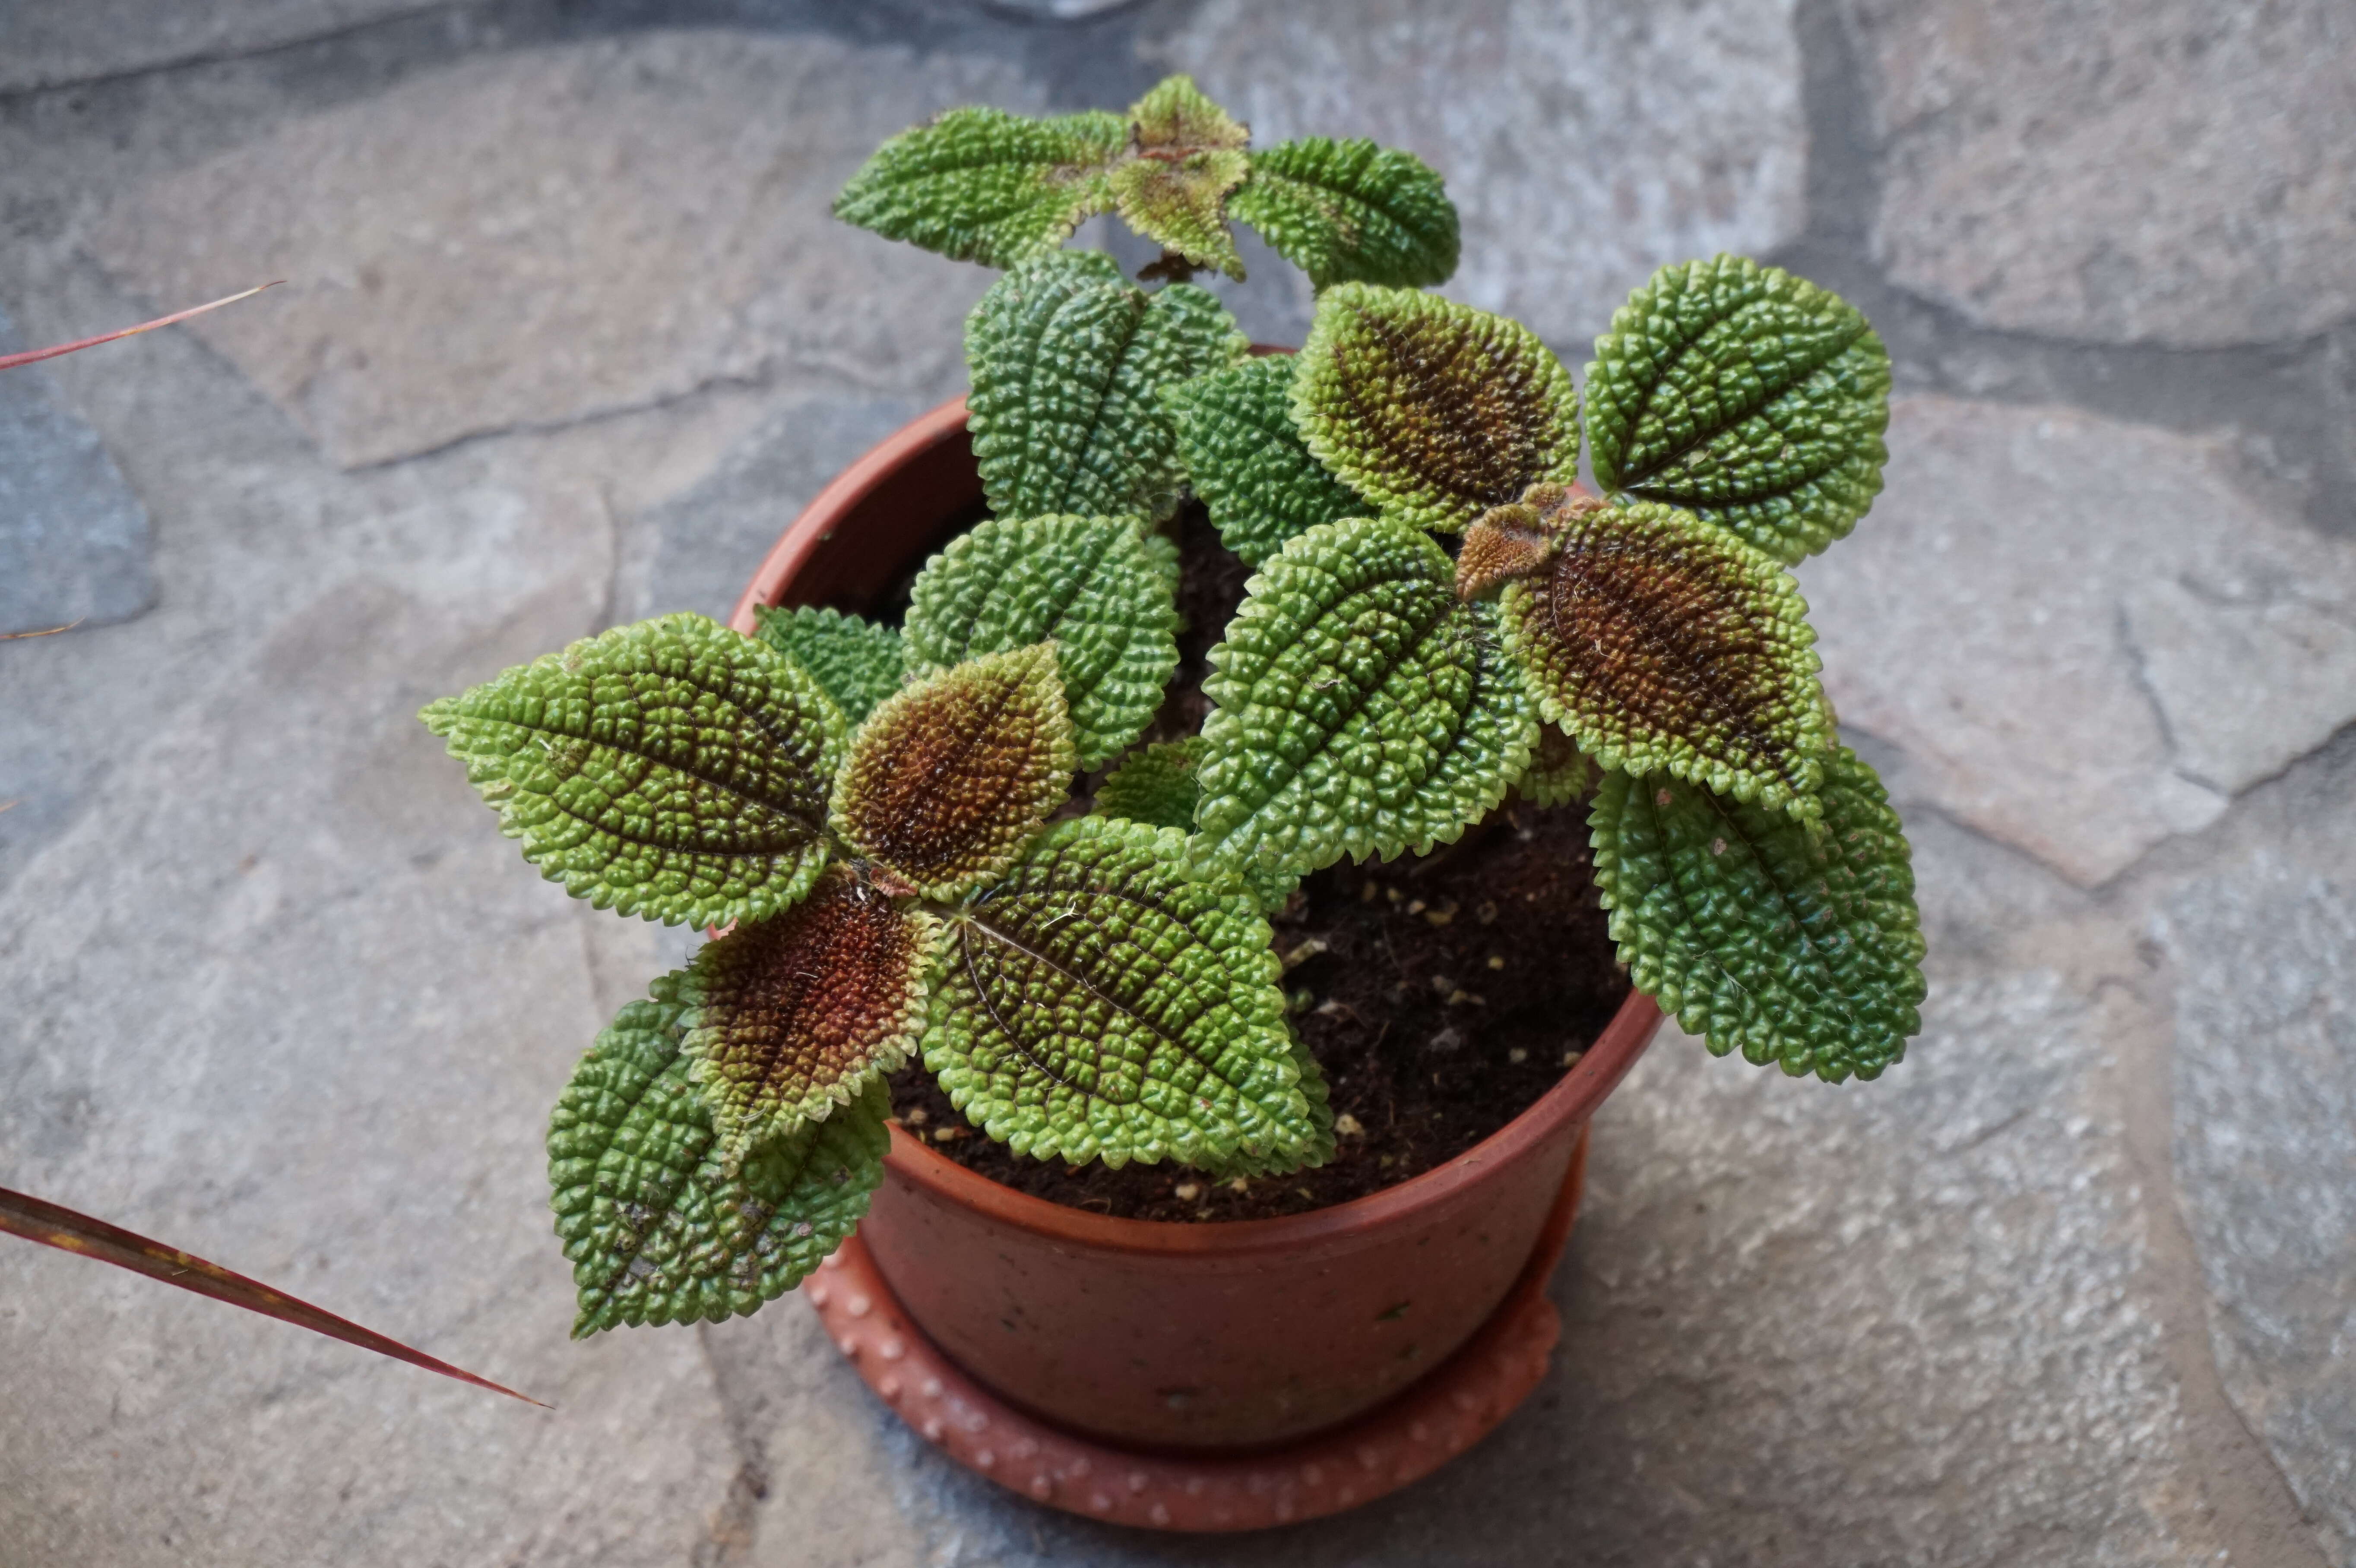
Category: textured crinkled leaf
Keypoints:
(797, 1015)
(1067, 358)
(1360, 708)
(1185, 155)
(1097, 587)
(948, 779)
(1247, 463)
(1351, 212)
(1103, 1002)
(1154, 785)
(1431, 410)
(1797, 943)
(1163, 551)
(672, 769)
(855, 661)
(982, 185)
(1270, 884)
(1746, 396)
(1559, 772)
(1661, 642)
(658, 1230)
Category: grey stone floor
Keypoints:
(567, 338)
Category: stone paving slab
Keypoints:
(74, 541)
(1584, 145)
(46, 45)
(588, 228)
(2166, 171)
(2266, 1093)
(255, 1007)
(2108, 630)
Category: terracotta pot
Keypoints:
(1182, 1355)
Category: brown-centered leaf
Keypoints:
(1661, 642)
(1433, 411)
(799, 1015)
(949, 778)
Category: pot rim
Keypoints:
(845, 490)
(1571, 1102)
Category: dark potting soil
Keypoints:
(1442, 994)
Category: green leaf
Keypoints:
(1797, 941)
(1104, 1003)
(1361, 709)
(1185, 155)
(1559, 772)
(1163, 550)
(948, 779)
(1248, 463)
(657, 1229)
(1745, 396)
(672, 769)
(1433, 410)
(800, 1014)
(1096, 586)
(1661, 642)
(1067, 358)
(982, 185)
(1351, 212)
(854, 662)
(1155, 786)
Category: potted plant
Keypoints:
(1042, 851)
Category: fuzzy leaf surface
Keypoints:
(1103, 1002)
(671, 769)
(1796, 943)
(1096, 587)
(1504, 545)
(1661, 642)
(1185, 154)
(1247, 463)
(1433, 410)
(855, 661)
(658, 1229)
(982, 185)
(950, 777)
(1067, 360)
(1360, 708)
(1745, 396)
(1155, 784)
(1350, 211)
(797, 1015)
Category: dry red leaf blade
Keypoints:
(62, 1228)
(10, 361)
